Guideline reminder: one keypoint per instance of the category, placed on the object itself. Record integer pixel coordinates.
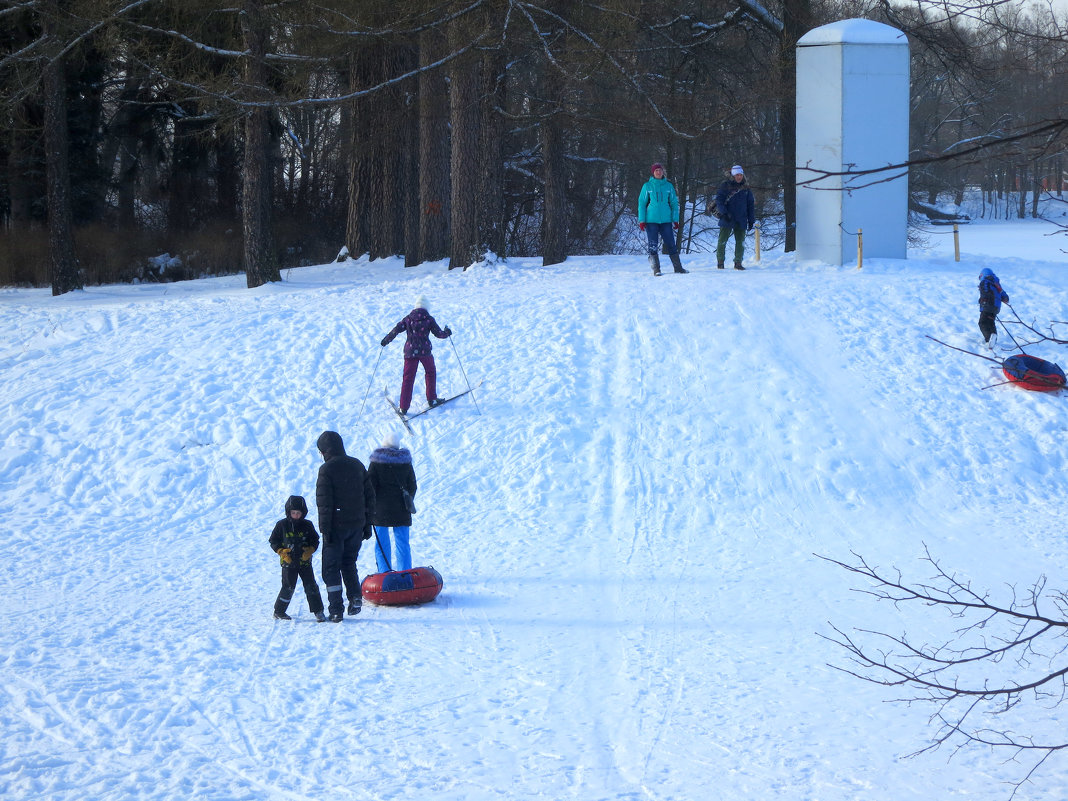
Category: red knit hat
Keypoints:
(657, 166)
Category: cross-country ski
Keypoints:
(441, 402)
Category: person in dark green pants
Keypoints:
(736, 209)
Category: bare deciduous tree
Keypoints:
(992, 676)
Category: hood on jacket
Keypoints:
(987, 273)
(296, 502)
(387, 455)
(330, 444)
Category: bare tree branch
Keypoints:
(1000, 665)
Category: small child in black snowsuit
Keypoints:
(295, 539)
(991, 296)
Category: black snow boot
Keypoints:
(355, 606)
(654, 262)
(738, 266)
(676, 262)
(281, 604)
(320, 617)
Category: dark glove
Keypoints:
(1005, 297)
(675, 226)
(447, 332)
(384, 342)
(641, 226)
(284, 554)
(368, 532)
(749, 227)
(308, 551)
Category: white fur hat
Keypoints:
(391, 440)
(420, 302)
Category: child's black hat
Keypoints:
(296, 502)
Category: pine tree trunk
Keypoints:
(433, 151)
(797, 20)
(410, 195)
(491, 192)
(464, 118)
(261, 260)
(394, 185)
(66, 271)
(554, 169)
(365, 169)
(683, 190)
(554, 172)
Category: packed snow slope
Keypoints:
(627, 516)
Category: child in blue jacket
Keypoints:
(991, 296)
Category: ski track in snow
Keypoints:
(627, 517)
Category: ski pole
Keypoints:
(369, 383)
(464, 373)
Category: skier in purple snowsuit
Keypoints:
(419, 325)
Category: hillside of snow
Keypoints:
(628, 516)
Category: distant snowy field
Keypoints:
(626, 517)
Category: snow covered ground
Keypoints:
(626, 515)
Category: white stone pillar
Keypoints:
(852, 114)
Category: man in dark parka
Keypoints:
(736, 215)
(346, 502)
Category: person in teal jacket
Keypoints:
(658, 217)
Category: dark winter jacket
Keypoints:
(657, 202)
(343, 492)
(294, 534)
(391, 471)
(991, 295)
(736, 205)
(419, 325)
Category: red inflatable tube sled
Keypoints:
(1033, 373)
(402, 587)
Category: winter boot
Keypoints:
(676, 262)
(355, 606)
(281, 604)
(336, 605)
(719, 265)
(738, 266)
(654, 262)
(320, 617)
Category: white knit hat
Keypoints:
(420, 302)
(737, 170)
(391, 440)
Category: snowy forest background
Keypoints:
(254, 136)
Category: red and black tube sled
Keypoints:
(1033, 373)
(402, 587)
